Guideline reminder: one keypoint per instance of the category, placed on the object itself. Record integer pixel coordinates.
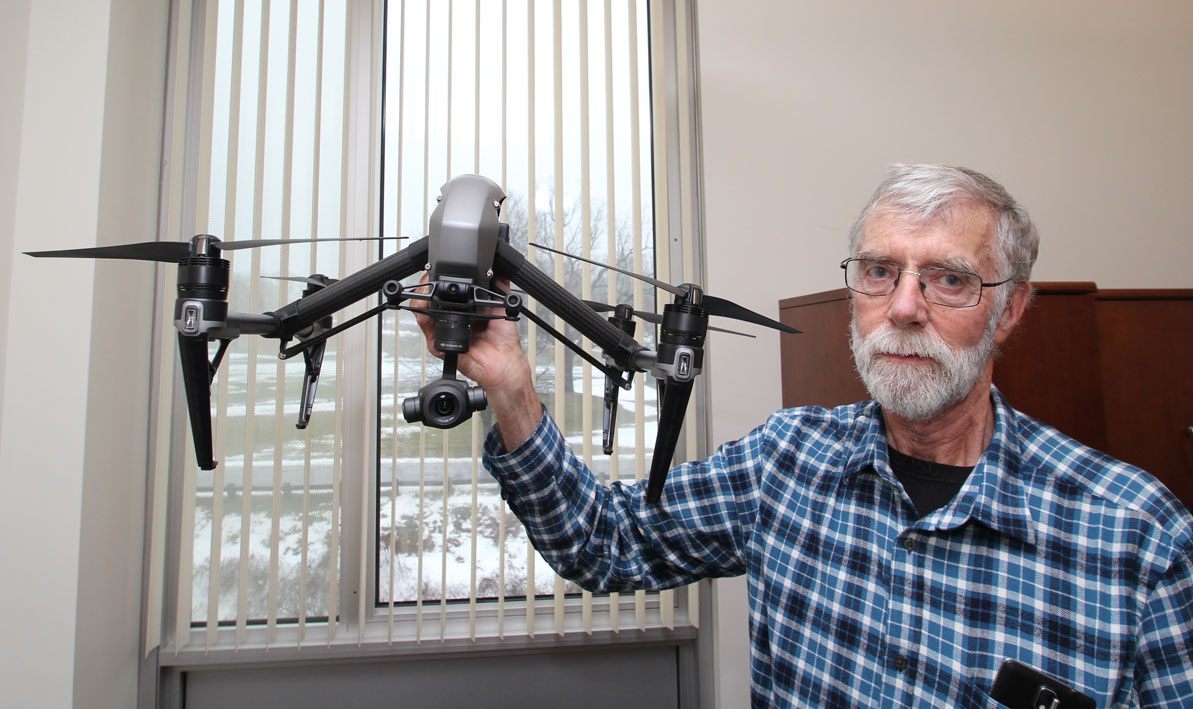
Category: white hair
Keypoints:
(926, 192)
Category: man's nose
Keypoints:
(907, 306)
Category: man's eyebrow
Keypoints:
(956, 263)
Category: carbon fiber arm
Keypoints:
(624, 350)
(304, 312)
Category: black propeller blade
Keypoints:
(163, 251)
(654, 318)
(645, 279)
(254, 243)
(712, 304)
(325, 281)
(174, 251)
(729, 309)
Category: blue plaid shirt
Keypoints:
(1052, 554)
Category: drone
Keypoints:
(466, 250)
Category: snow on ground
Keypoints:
(400, 544)
(399, 550)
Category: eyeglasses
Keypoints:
(944, 286)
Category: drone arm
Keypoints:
(248, 324)
(304, 312)
(609, 372)
(509, 263)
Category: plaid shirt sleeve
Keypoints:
(606, 538)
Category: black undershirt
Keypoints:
(929, 485)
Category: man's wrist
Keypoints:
(518, 414)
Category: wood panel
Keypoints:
(1147, 354)
(1049, 368)
(817, 365)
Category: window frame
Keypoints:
(364, 628)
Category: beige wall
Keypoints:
(83, 121)
(14, 31)
(1084, 110)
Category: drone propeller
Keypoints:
(680, 357)
(317, 280)
(712, 304)
(654, 318)
(174, 251)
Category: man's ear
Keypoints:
(1013, 312)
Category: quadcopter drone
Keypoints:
(466, 249)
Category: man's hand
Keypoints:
(496, 361)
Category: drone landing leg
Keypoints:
(623, 318)
(196, 378)
(313, 357)
(675, 403)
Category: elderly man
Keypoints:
(898, 551)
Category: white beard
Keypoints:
(918, 392)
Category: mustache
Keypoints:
(905, 343)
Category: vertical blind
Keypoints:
(318, 118)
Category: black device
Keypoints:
(1021, 687)
(466, 249)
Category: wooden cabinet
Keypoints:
(1110, 368)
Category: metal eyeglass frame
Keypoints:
(923, 288)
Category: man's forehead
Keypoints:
(966, 227)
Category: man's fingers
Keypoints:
(427, 324)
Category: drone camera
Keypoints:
(453, 333)
(444, 403)
(452, 290)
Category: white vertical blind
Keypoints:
(560, 408)
(692, 270)
(531, 228)
(220, 427)
(556, 209)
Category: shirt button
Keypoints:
(909, 544)
(512, 475)
(900, 662)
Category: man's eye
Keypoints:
(950, 279)
(877, 271)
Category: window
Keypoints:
(556, 109)
(342, 119)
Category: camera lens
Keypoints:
(443, 404)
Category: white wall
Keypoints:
(14, 31)
(1082, 109)
(87, 84)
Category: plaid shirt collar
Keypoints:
(993, 494)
